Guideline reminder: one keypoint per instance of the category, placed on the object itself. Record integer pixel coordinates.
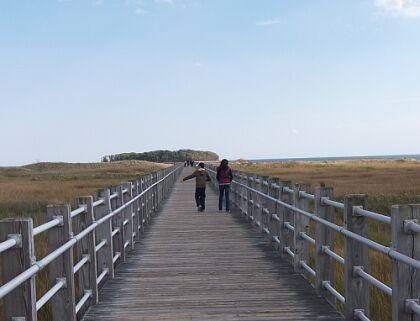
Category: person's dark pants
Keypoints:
(200, 197)
(224, 190)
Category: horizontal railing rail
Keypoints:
(101, 229)
(281, 211)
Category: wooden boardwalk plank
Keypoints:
(206, 266)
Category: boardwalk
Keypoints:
(205, 266)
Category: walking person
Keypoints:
(224, 177)
(201, 178)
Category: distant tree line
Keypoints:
(162, 156)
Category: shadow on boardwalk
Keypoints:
(206, 266)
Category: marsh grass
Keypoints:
(26, 191)
(386, 183)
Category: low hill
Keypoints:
(162, 156)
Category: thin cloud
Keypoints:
(138, 6)
(267, 23)
(409, 8)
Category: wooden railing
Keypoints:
(84, 245)
(281, 210)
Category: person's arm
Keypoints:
(188, 177)
(208, 179)
(230, 175)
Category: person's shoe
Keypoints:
(227, 211)
(202, 209)
(199, 208)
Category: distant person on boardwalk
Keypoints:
(201, 177)
(224, 177)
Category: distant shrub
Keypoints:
(162, 156)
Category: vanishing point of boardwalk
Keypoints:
(206, 266)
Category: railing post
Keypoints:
(61, 269)
(162, 187)
(104, 233)
(235, 192)
(356, 255)
(254, 198)
(259, 209)
(87, 275)
(149, 204)
(285, 215)
(265, 204)
(128, 216)
(117, 224)
(242, 193)
(249, 205)
(137, 213)
(156, 192)
(323, 238)
(405, 279)
(21, 302)
(301, 224)
(273, 209)
(154, 195)
(142, 204)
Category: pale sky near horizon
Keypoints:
(80, 79)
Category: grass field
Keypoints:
(385, 182)
(26, 191)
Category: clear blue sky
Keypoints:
(255, 79)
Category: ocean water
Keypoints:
(322, 159)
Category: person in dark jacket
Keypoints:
(224, 177)
(201, 177)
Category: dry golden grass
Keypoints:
(26, 191)
(348, 177)
(385, 182)
(62, 182)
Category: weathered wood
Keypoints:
(407, 243)
(142, 204)
(154, 193)
(117, 224)
(137, 213)
(234, 189)
(258, 201)
(286, 236)
(206, 267)
(324, 238)
(249, 194)
(356, 255)
(63, 302)
(21, 302)
(274, 209)
(104, 233)
(255, 199)
(87, 275)
(301, 224)
(244, 201)
(128, 216)
(148, 200)
(264, 204)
